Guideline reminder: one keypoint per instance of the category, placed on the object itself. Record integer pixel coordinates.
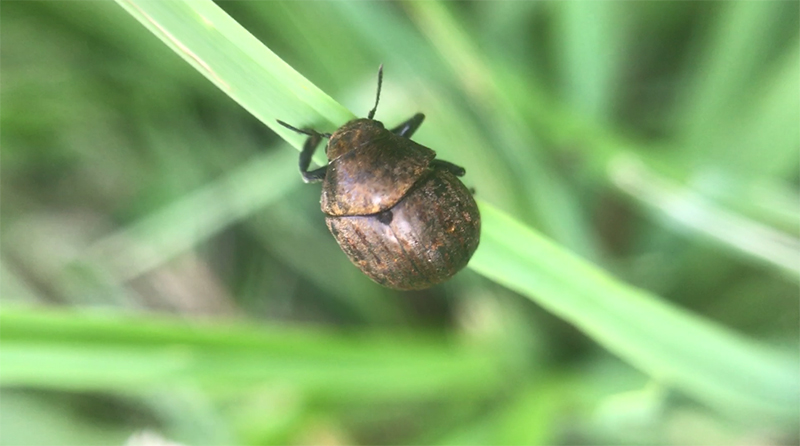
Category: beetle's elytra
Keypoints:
(401, 216)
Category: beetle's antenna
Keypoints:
(304, 132)
(377, 96)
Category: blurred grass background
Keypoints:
(164, 268)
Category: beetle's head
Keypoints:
(352, 135)
(357, 132)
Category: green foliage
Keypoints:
(637, 168)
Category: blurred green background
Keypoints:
(165, 269)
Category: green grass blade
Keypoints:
(762, 137)
(307, 246)
(737, 47)
(161, 236)
(704, 360)
(262, 83)
(555, 208)
(84, 351)
(241, 66)
(771, 202)
(589, 48)
(14, 287)
(560, 218)
(709, 221)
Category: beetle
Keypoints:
(400, 215)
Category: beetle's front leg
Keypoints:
(309, 148)
(408, 128)
(308, 151)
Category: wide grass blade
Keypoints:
(85, 351)
(673, 346)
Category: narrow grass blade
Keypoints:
(161, 236)
(548, 194)
(762, 137)
(702, 217)
(737, 47)
(13, 287)
(241, 66)
(589, 48)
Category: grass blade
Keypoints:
(590, 50)
(700, 216)
(163, 235)
(241, 66)
(84, 351)
(704, 360)
(738, 45)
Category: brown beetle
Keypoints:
(401, 216)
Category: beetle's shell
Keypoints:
(370, 169)
(434, 231)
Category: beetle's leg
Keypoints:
(448, 166)
(315, 176)
(309, 148)
(408, 128)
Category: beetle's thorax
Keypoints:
(353, 135)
